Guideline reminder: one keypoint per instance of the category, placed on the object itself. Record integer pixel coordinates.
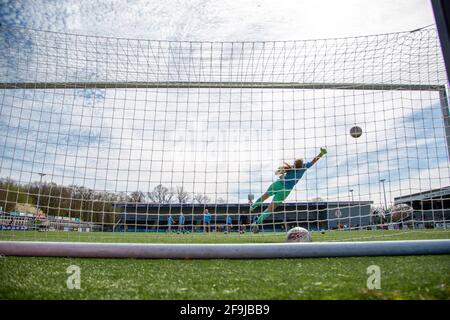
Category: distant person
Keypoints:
(243, 222)
(228, 223)
(181, 221)
(206, 221)
(170, 222)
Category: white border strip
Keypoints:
(223, 251)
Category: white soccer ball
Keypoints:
(298, 234)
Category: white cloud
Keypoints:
(215, 20)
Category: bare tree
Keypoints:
(11, 193)
(161, 194)
(220, 200)
(201, 198)
(60, 200)
(181, 195)
(136, 196)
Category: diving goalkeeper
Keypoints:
(280, 189)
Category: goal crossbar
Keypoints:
(224, 251)
(221, 85)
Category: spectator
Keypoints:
(229, 223)
(243, 222)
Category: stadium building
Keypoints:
(137, 217)
(430, 208)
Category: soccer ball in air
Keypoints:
(298, 234)
(356, 132)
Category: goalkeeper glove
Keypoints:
(323, 152)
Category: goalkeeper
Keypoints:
(280, 189)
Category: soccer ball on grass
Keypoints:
(298, 234)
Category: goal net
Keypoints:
(128, 140)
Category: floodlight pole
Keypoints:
(250, 198)
(384, 192)
(351, 192)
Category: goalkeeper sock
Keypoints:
(262, 217)
(256, 204)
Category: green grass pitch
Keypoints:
(408, 277)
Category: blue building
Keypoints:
(136, 217)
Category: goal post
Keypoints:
(153, 147)
(221, 85)
(224, 251)
(441, 10)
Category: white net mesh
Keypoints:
(109, 135)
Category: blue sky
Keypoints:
(224, 143)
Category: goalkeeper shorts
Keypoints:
(279, 191)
